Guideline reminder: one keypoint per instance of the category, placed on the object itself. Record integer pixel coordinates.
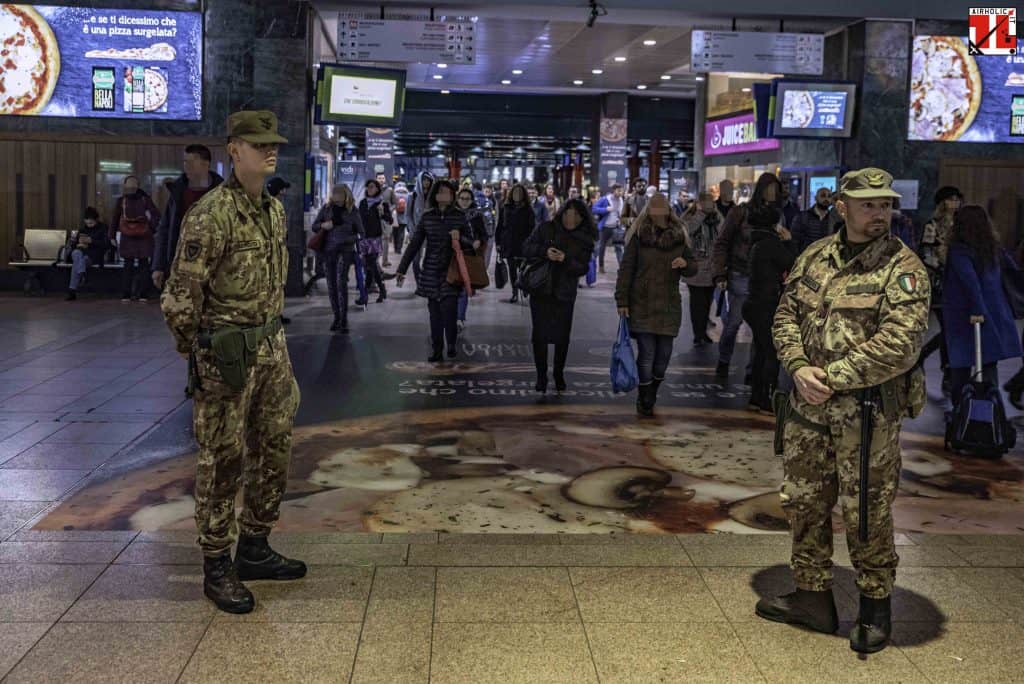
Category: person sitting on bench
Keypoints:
(87, 246)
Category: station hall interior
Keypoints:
(397, 209)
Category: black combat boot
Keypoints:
(655, 384)
(813, 609)
(436, 356)
(873, 629)
(255, 560)
(222, 586)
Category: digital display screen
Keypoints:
(813, 109)
(817, 183)
(957, 97)
(100, 63)
(359, 95)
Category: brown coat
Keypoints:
(139, 205)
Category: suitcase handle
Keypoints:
(977, 352)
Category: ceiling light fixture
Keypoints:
(438, 77)
(597, 72)
(699, 79)
(506, 82)
(442, 66)
(666, 77)
(620, 59)
(517, 72)
(641, 87)
(577, 82)
(446, 92)
(650, 43)
(746, 90)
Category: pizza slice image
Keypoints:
(29, 60)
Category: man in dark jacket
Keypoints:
(185, 191)
(88, 245)
(810, 226)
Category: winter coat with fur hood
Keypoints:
(647, 283)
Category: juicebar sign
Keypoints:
(735, 134)
(85, 62)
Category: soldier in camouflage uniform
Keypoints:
(228, 278)
(852, 316)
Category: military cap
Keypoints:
(255, 127)
(867, 184)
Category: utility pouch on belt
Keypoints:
(235, 350)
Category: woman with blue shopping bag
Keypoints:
(647, 292)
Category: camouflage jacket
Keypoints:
(861, 321)
(230, 265)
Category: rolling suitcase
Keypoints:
(978, 426)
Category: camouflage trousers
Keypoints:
(821, 469)
(245, 439)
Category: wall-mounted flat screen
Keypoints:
(359, 95)
(100, 63)
(815, 184)
(958, 97)
(813, 109)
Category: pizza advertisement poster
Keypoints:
(100, 63)
(959, 97)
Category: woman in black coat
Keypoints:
(466, 201)
(515, 225)
(772, 256)
(375, 214)
(566, 241)
(341, 218)
(439, 225)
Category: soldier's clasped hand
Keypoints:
(810, 382)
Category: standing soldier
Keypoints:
(223, 304)
(848, 330)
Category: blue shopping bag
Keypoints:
(361, 280)
(721, 298)
(623, 368)
(592, 272)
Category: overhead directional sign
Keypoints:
(751, 51)
(386, 40)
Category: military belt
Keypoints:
(253, 335)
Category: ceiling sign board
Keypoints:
(385, 40)
(752, 51)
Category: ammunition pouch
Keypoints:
(235, 349)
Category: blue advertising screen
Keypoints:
(104, 63)
(959, 97)
(813, 109)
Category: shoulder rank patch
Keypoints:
(811, 283)
(908, 283)
(193, 249)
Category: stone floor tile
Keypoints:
(991, 556)
(965, 652)
(150, 404)
(9, 428)
(74, 552)
(30, 373)
(325, 594)
(737, 590)
(30, 535)
(14, 515)
(27, 437)
(511, 654)
(940, 594)
(1006, 540)
(682, 652)
(545, 555)
(30, 403)
(376, 661)
(116, 652)
(344, 554)
(323, 538)
(144, 593)
(63, 457)
(737, 550)
(615, 539)
(643, 595)
(505, 595)
(178, 536)
(1001, 587)
(498, 539)
(409, 538)
(928, 557)
(161, 553)
(99, 433)
(281, 653)
(38, 485)
(41, 593)
(785, 654)
(16, 638)
(402, 595)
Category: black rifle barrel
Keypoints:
(867, 406)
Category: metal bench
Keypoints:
(43, 251)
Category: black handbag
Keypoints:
(500, 274)
(535, 279)
(1013, 285)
